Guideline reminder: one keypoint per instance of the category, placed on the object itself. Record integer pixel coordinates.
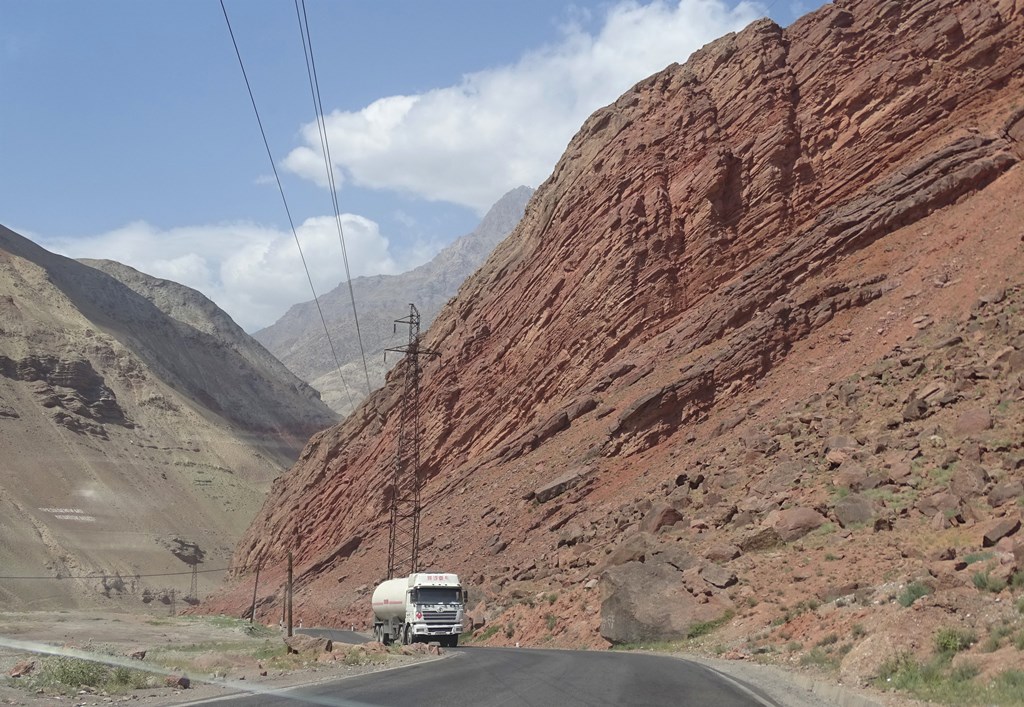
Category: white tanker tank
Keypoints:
(426, 606)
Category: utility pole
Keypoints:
(252, 610)
(288, 593)
(403, 544)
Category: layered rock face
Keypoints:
(134, 416)
(298, 338)
(689, 262)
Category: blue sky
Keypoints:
(127, 133)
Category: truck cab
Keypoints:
(423, 607)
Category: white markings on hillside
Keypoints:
(75, 514)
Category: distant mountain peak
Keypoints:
(298, 337)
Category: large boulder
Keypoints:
(563, 483)
(973, 421)
(661, 515)
(854, 510)
(301, 643)
(999, 529)
(646, 601)
(794, 523)
(478, 616)
(1004, 492)
(636, 548)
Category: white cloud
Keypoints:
(470, 143)
(252, 272)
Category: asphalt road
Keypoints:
(510, 677)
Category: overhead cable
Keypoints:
(280, 188)
(325, 148)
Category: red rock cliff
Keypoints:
(693, 238)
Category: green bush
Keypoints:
(985, 582)
(913, 592)
(949, 641)
(973, 557)
(69, 675)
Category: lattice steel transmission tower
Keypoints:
(403, 545)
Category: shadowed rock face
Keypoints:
(716, 225)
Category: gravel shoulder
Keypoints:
(219, 655)
(792, 688)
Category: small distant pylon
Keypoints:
(193, 592)
(403, 544)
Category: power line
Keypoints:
(112, 574)
(325, 148)
(280, 188)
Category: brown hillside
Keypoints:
(713, 257)
(136, 419)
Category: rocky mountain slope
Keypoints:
(750, 360)
(139, 429)
(298, 338)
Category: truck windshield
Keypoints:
(437, 595)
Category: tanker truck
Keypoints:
(425, 606)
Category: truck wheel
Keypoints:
(408, 636)
(453, 641)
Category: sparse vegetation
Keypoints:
(985, 582)
(820, 658)
(949, 641)
(824, 529)
(552, 621)
(913, 592)
(1017, 580)
(937, 681)
(858, 631)
(488, 632)
(973, 557)
(69, 675)
(996, 636)
(706, 627)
